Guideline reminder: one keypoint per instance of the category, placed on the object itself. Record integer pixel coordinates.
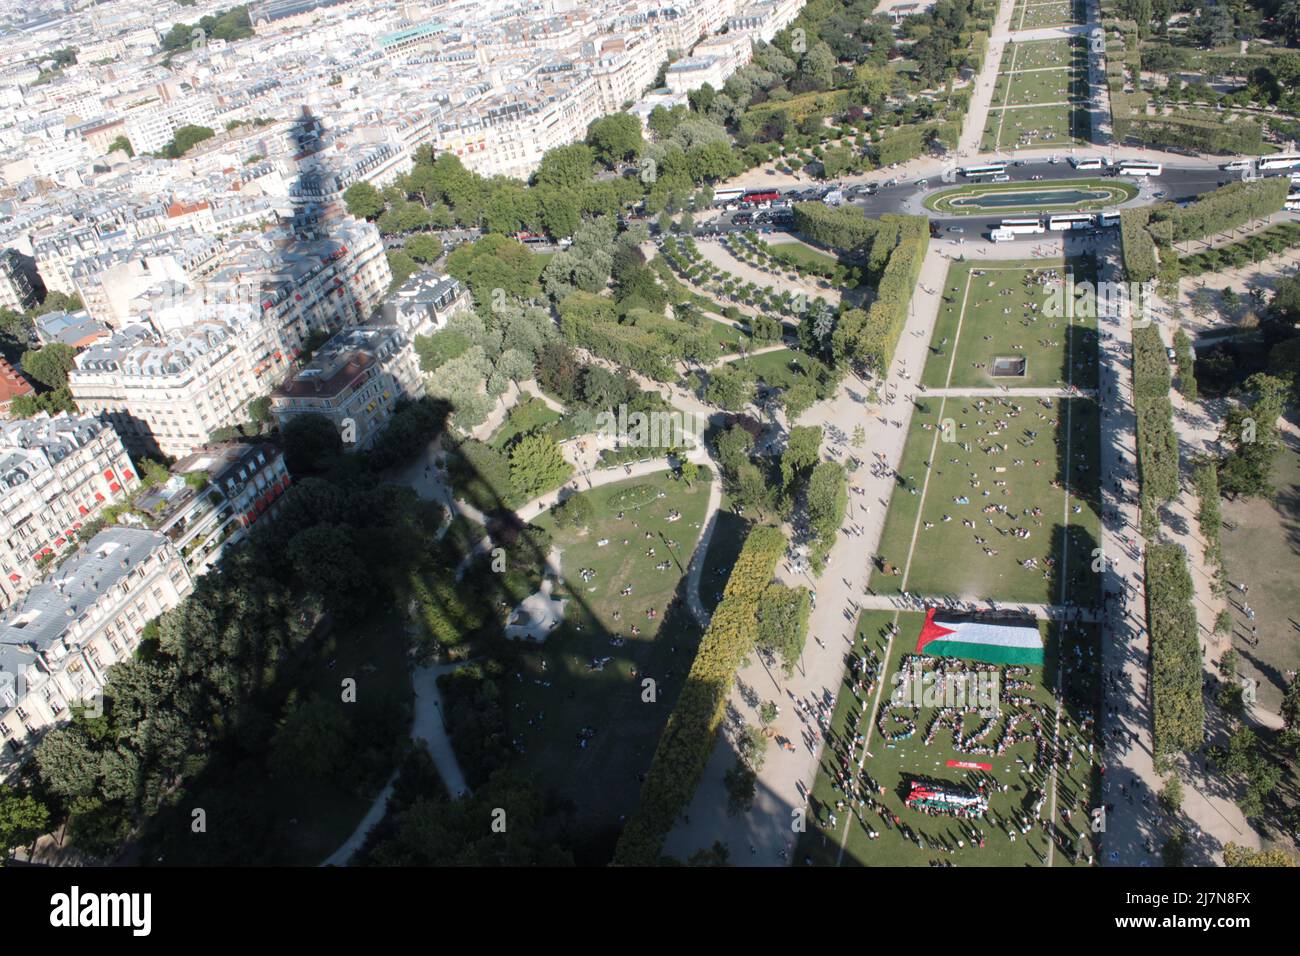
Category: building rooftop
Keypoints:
(44, 614)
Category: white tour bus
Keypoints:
(1023, 227)
(1280, 161)
(1088, 162)
(1136, 167)
(1108, 219)
(1071, 220)
(1293, 205)
(991, 169)
(1002, 235)
(723, 196)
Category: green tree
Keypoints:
(186, 138)
(311, 444)
(566, 167)
(424, 249)
(22, 819)
(123, 144)
(363, 200)
(50, 365)
(616, 138)
(537, 466)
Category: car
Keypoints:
(890, 182)
(1160, 194)
(1054, 160)
(1171, 354)
(956, 229)
(922, 183)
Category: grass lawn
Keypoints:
(1031, 87)
(797, 254)
(727, 336)
(998, 309)
(894, 764)
(1032, 16)
(1036, 127)
(1036, 55)
(525, 417)
(1262, 550)
(556, 693)
(946, 558)
(779, 368)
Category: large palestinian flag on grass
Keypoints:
(993, 643)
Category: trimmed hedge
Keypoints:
(1139, 247)
(688, 736)
(1156, 438)
(1206, 478)
(875, 342)
(844, 228)
(1226, 208)
(1178, 722)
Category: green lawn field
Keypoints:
(1001, 309)
(1069, 674)
(1033, 16)
(993, 445)
(555, 693)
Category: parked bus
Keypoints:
(1293, 205)
(755, 196)
(1280, 161)
(1024, 226)
(1002, 235)
(723, 196)
(1088, 162)
(991, 169)
(1136, 167)
(1108, 220)
(1070, 220)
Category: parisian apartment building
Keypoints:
(59, 639)
(57, 474)
(355, 381)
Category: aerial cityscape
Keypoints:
(643, 433)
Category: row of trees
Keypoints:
(1178, 710)
(688, 737)
(1156, 439)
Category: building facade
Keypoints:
(56, 475)
(57, 643)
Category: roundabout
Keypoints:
(985, 198)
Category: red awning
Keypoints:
(98, 496)
(108, 474)
(130, 475)
(15, 577)
(114, 487)
(59, 542)
(83, 509)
